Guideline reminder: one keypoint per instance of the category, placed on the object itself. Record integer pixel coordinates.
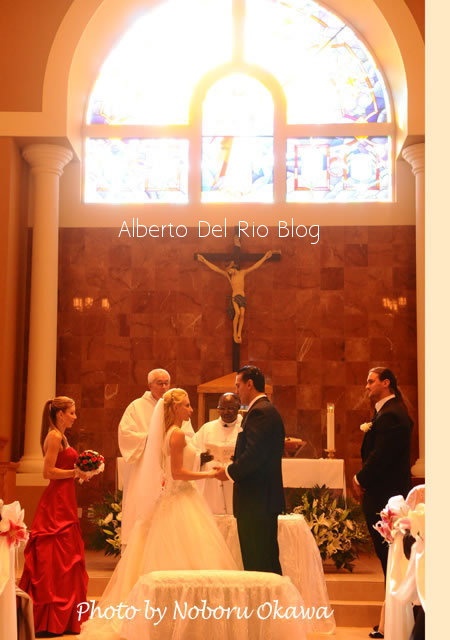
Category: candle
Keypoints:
(330, 426)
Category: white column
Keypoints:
(415, 155)
(47, 163)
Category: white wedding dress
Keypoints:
(180, 533)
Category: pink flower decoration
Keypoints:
(384, 530)
(393, 519)
(403, 525)
(12, 525)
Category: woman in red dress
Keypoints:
(54, 574)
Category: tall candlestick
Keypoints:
(330, 426)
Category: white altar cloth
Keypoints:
(306, 472)
(303, 472)
(215, 605)
(300, 561)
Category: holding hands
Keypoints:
(219, 474)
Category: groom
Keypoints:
(258, 496)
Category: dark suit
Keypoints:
(258, 496)
(385, 454)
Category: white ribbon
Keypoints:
(4, 563)
(417, 518)
(399, 618)
(405, 579)
(11, 515)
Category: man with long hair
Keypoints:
(385, 453)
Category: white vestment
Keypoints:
(220, 441)
(133, 431)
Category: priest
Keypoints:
(218, 439)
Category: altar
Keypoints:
(307, 472)
(297, 473)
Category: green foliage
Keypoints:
(106, 518)
(337, 525)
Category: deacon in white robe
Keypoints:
(218, 438)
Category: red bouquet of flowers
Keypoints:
(90, 463)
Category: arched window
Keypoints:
(237, 141)
(239, 101)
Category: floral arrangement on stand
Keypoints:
(337, 525)
(106, 518)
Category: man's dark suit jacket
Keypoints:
(256, 470)
(385, 453)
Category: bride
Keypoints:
(176, 529)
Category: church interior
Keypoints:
(100, 280)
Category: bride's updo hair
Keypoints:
(51, 408)
(172, 398)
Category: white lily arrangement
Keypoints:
(338, 527)
(107, 520)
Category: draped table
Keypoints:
(215, 605)
(300, 561)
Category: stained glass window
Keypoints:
(211, 101)
(237, 169)
(338, 169)
(238, 105)
(327, 73)
(237, 148)
(137, 171)
(149, 76)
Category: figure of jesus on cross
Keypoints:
(236, 277)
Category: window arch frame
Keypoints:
(282, 131)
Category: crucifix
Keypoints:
(236, 277)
